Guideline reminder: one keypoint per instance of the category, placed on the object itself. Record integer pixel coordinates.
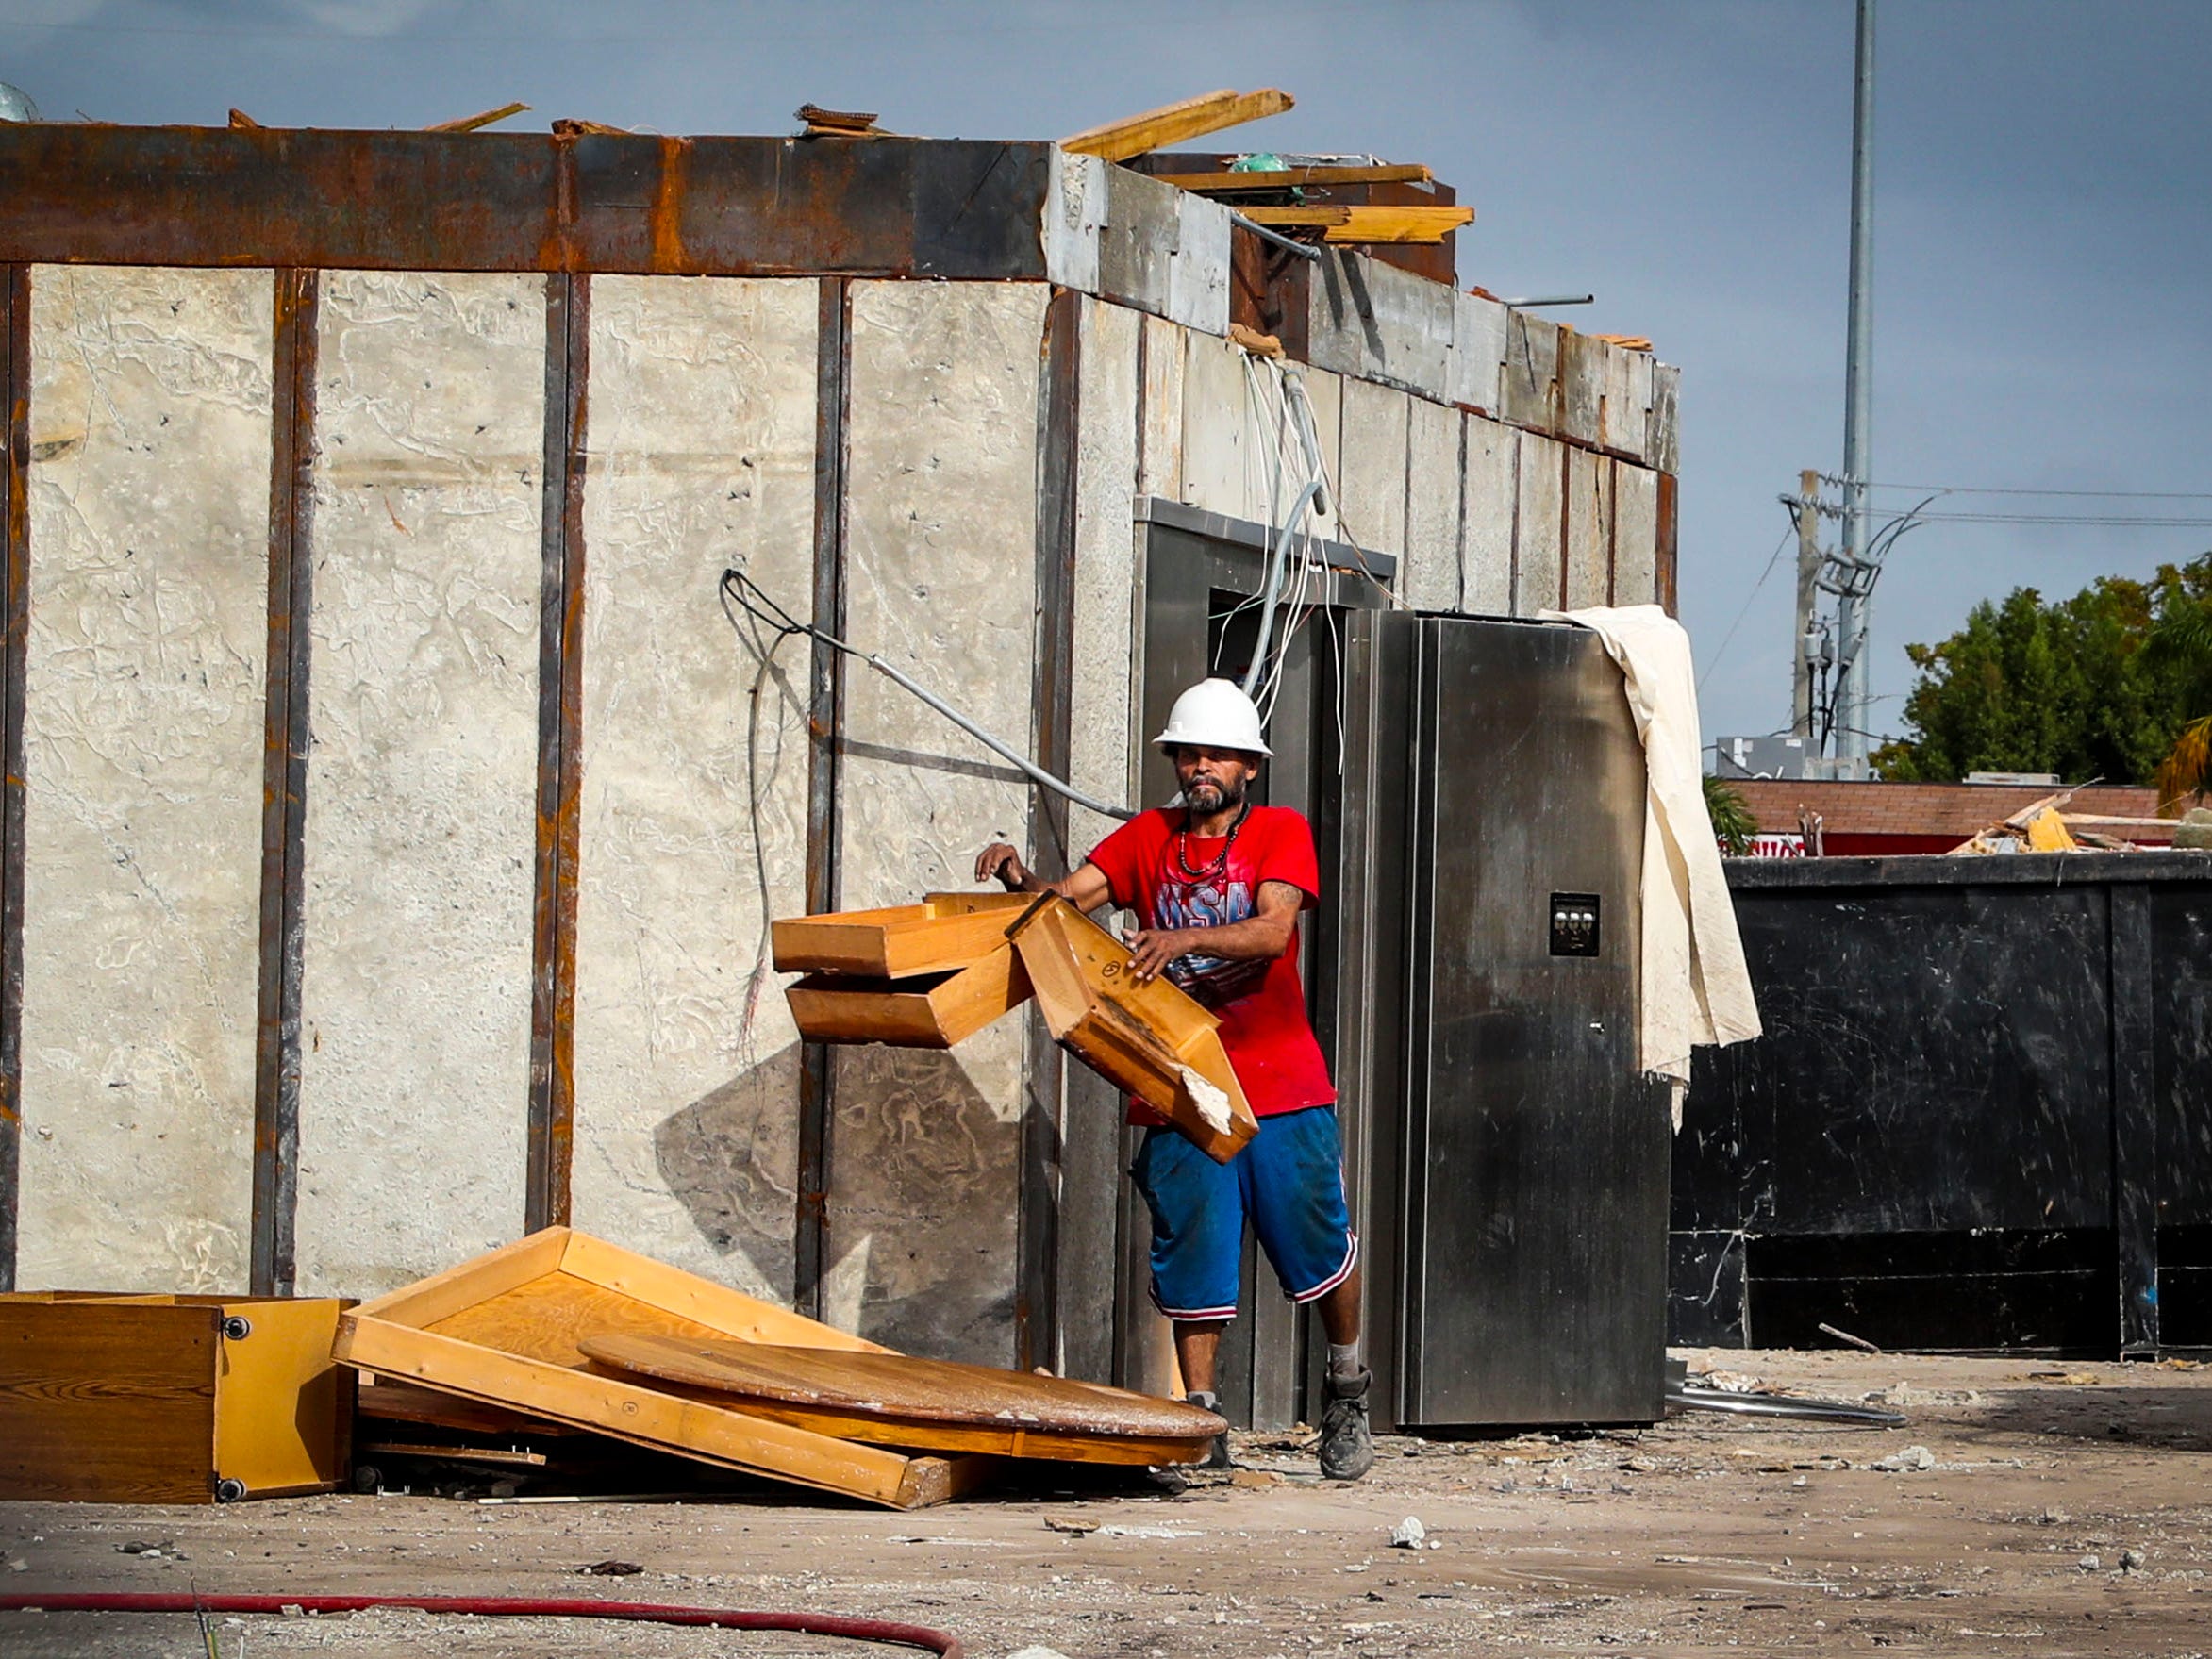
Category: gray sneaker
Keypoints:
(1347, 1446)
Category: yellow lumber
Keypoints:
(1172, 123)
(470, 123)
(1296, 178)
(1317, 218)
(1399, 225)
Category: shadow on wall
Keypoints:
(923, 1179)
(731, 1158)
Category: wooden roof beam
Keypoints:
(1172, 123)
(1297, 177)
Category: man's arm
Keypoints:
(1261, 937)
(1087, 888)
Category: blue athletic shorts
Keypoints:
(1288, 1181)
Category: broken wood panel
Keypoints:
(702, 454)
(934, 1011)
(504, 1330)
(1230, 182)
(148, 502)
(1626, 419)
(421, 837)
(946, 932)
(1582, 386)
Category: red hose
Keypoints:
(816, 1624)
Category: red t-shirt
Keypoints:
(1262, 1004)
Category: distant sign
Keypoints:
(1789, 845)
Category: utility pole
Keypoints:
(1854, 662)
(1808, 578)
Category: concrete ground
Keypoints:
(2065, 1510)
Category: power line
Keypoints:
(1714, 661)
(2094, 520)
(2098, 494)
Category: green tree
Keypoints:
(1733, 823)
(2101, 684)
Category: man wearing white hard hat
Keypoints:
(1218, 884)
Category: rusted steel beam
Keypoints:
(15, 377)
(284, 779)
(826, 702)
(561, 719)
(941, 208)
(1036, 1226)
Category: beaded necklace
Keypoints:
(1218, 865)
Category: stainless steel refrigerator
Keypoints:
(1479, 983)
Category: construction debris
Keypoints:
(1174, 123)
(567, 1328)
(848, 123)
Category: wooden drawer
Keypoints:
(930, 1011)
(943, 934)
(170, 1399)
(1148, 1039)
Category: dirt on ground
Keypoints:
(2028, 1507)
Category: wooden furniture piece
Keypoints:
(938, 1404)
(108, 1399)
(920, 976)
(507, 1329)
(1150, 1039)
(946, 932)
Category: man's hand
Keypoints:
(1156, 947)
(998, 862)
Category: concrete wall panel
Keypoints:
(142, 735)
(1636, 535)
(702, 456)
(1225, 458)
(415, 1003)
(1582, 386)
(1478, 350)
(941, 548)
(1159, 462)
(1487, 499)
(1379, 323)
(1590, 528)
(1325, 392)
(1528, 384)
(1537, 530)
(1660, 441)
(1106, 595)
(1628, 402)
(1430, 577)
(1374, 479)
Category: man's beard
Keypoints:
(1206, 797)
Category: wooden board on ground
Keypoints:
(937, 1404)
(1174, 123)
(929, 1011)
(1149, 1038)
(943, 934)
(507, 1329)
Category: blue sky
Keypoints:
(2042, 235)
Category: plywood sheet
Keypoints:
(701, 456)
(1537, 530)
(507, 1330)
(143, 737)
(1429, 579)
(941, 557)
(1487, 499)
(1374, 480)
(421, 823)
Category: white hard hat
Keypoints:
(1215, 714)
